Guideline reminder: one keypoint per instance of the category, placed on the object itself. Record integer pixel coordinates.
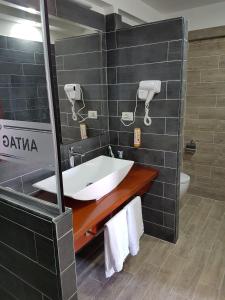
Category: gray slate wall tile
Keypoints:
(92, 76)
(172, 126)
(46, 252)
(27, 220)
(160, 108)
(17, 287)
(17, 237)
(175, 50)
(127, 91)
(68, 287)
(64, 224)
(160, 214)
(174, 90)
(3, 41)
(169, 220)
(10, 68)
(110, 40)
(153, 216)
(28, 271)
(167, 175)
(91, 92)
(155, 71)
(83, 61)
(7, 55)
(144, 156)
(114, 137)
(153, 202)
(66, 256)
(5, 295)
(158, 231)
(150, 33)
(29, 261)
(141, 55)
(15, 184)
(24, 73)
(24, 45)
(157, 127)
(170, 191)
(157, 188)
(112, 75)
(113, 108)
(88, 43)
(30, 69)
(171, 159)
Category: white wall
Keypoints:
(135, 7)
(203, 17)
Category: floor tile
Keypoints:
(193, 269)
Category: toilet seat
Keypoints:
(184, 178)
(184, 184)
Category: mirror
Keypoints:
(22, 76)
(26, 146)
(79, 56)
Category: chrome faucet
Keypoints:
(72, 155)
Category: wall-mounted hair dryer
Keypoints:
(74, 92)
(147, 90)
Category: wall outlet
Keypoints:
(127, 116)
(92, 114)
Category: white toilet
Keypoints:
(184, 184)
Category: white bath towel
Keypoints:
(135, 224)
(116, 243)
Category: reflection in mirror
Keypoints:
(25, 130)
(81, 79)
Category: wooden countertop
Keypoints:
(89, 214)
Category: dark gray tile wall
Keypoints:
(36, 254)
(77, 13)
(23, 97)
(89, 148)
(22, 81)
(20, 177)
(82, 60)
(150, 52)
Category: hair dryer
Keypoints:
(147, 90)
(73, 93)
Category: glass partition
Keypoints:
(28, 142)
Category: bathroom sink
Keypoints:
(90, 180)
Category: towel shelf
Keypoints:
(89, 217)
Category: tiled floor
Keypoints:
(193, 269)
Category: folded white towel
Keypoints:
(116, 243)
(135, 224)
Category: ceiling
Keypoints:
(169, 6)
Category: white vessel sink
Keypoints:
(90, 180)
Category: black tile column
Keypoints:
(152, 51)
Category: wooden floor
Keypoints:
(193, 269)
